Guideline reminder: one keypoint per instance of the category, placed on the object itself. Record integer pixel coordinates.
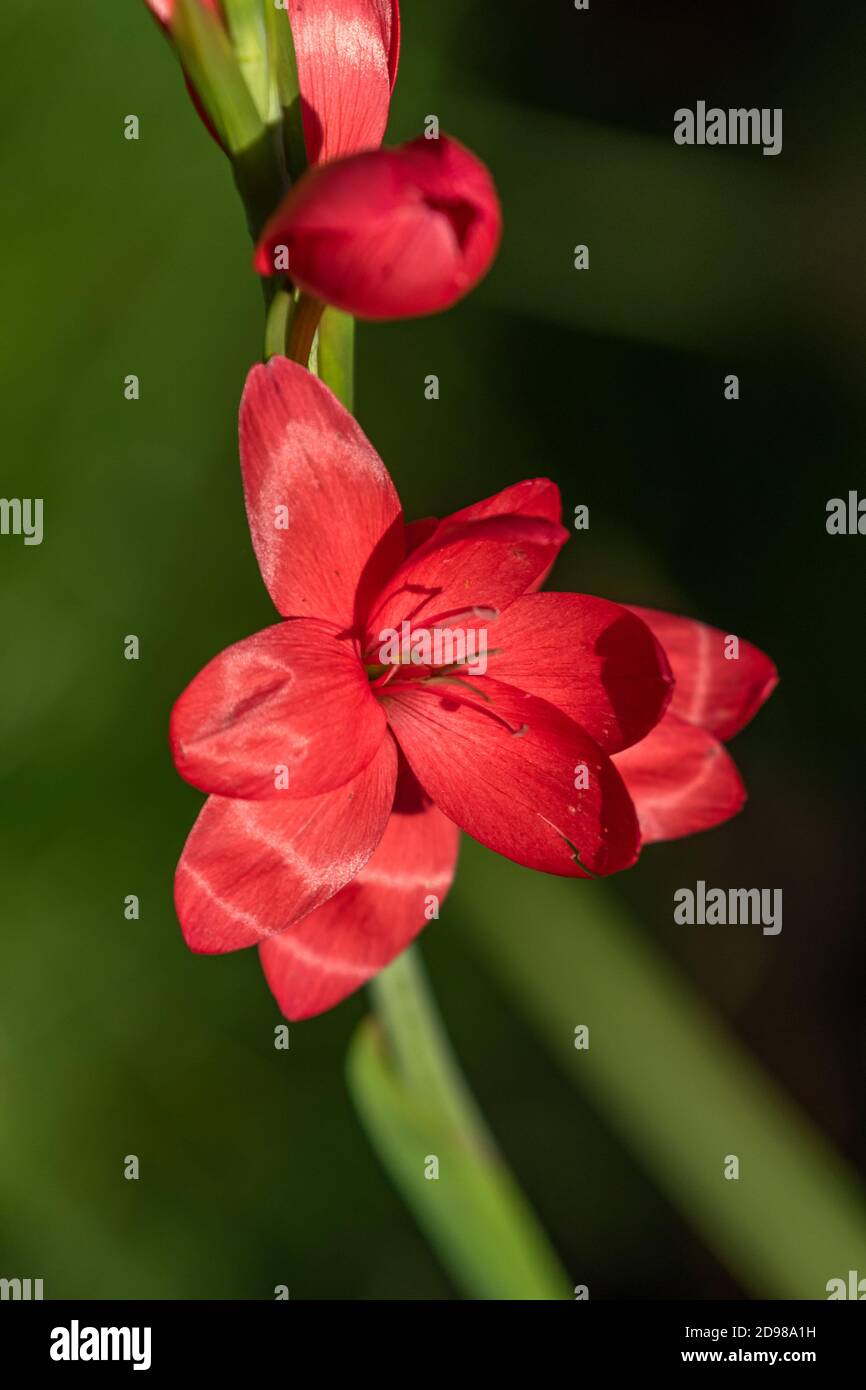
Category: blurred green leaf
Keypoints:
(681, 1092)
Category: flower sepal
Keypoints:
(199, 33)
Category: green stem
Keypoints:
(433, 1140)
(277, 321)
(420, 1050)
(337, 354)
(302, 328)
(260, 178)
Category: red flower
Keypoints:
(347, 53)
(390, 233)
(552, 756)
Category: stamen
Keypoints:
(515, 731)
(387, 676)
(477, 611)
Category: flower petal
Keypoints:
(533, 497)
(390, 233)
(342, 533)
(340, 946)
(347, 53)
(594, 660)
(292, 697)
(719, 693)
(250, 869)
(681, 779)
(503, 766)
(419, 532)
(471, 564)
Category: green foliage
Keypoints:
(674, 1084)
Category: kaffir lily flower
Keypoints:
(391, 233)
(347, 53)
(339, 781)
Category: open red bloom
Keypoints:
(388, 234)
(340, 769)
(347, 52)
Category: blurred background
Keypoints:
(132, 257)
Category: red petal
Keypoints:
(293, 696)
(471, 564)
(419, 532)
(681, 780)
(335, 950)
(534, 497)
(537, 497)
(719, 694)
(504, 768)
(250, 869)
(301, 450)
(594, 660)
(347, 54)
(390, 233)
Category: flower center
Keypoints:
(430, 651)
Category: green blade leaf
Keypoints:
(471, 1213)
(661, 1069)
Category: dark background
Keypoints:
(124, 257)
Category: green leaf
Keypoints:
(680, 1091)
(472, 1213)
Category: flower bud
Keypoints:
(389, 233)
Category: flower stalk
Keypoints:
(419, 1047)
(432, 1138)
(302, 328)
